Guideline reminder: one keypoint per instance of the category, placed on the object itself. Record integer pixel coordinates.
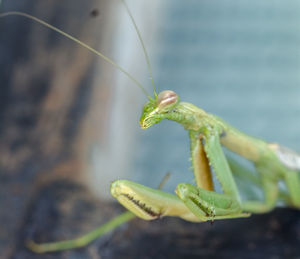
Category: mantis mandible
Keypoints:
(207, 134)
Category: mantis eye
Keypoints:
(166, 98)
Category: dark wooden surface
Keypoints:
(63, 210)
(45, 97)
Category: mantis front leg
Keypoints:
(194, 203)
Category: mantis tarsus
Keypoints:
(207, 134)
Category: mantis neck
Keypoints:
(196, 119)
(190, 116)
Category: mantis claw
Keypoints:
(209, 205)
(148, 203)
(193, 203)
(129, 196)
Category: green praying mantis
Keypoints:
(207, 134)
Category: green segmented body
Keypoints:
(210, 132)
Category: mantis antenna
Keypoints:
(143, 46)
(98, 53)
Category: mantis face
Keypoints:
(156, 109)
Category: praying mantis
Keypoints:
(207, 134)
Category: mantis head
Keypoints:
(155, 109)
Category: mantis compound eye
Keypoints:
(165, 98)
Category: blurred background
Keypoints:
(69, 120)
(237, 60)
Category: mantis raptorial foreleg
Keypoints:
(201, 201)
(201, 166)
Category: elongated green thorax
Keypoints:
(168, 106)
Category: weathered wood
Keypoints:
(44, 99)
(73, 212)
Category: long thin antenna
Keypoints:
(80, 43)
(143, 46)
